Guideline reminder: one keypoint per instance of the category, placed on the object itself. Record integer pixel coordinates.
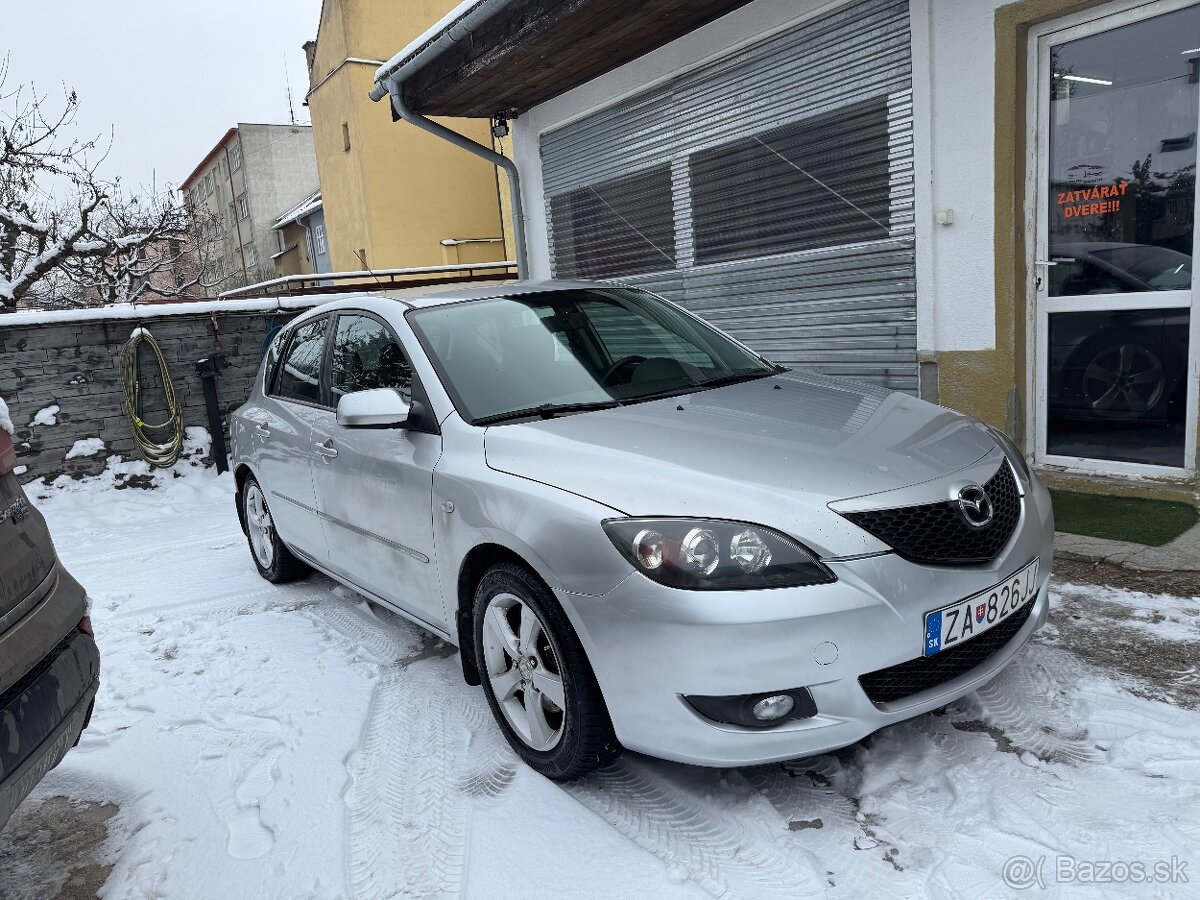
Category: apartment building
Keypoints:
(253, 175)
(303, 247)
(392, 200)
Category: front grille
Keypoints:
(936, 532)
(925, 672)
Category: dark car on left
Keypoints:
(49, 662)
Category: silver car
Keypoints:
(639, 533)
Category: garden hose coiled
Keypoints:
(160, 455)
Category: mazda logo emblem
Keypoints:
(975, 506)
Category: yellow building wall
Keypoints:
(397, 192)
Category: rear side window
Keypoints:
(366, 356)
(300, 375)
(272, 360)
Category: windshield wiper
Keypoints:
(691, 385)
(545, 411)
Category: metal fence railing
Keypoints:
(374, 279)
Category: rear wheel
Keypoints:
(537, 678)
(274, 561)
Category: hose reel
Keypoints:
(159, 454)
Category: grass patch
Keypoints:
(1150, 522)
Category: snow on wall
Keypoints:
(5, 419)
(128, 312)
(46, 417)
(85, 447)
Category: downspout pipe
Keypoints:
(396, 89)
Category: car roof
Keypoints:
(510, 289)
(387, 303)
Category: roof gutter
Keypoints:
(457, 25)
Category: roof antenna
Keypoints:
(287, 81)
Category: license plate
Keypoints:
(960, 621)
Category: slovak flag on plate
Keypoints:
(980, 612)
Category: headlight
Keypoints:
(714, 555)
(1014, 454)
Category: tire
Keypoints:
(580, 735)
(1120, 377)
(274, 561)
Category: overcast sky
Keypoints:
(166, 78)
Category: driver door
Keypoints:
(375, 485)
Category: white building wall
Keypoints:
(954, 100)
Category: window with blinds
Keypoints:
(624, 226)
(817, 182)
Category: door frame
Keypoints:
(1038, 305)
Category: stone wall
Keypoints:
(70, 360)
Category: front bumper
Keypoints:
(42, 716)
(651, 645)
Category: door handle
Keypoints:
(326, 451)
(263, 430)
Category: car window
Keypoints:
(366, 356)
(274, 348)
(300, 375)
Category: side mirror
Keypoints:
(378, 408)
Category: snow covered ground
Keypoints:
(294, 742)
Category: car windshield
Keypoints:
(552, 352)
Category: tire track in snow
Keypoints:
(156, 550)
(1030, 697)
(265, 599)
(428, 754)
(819, 798)
(714, 847)
(408, 829)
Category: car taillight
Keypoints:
(8, 455)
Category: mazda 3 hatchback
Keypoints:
(640, 533)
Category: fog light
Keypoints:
(755, 710)
(768, 709)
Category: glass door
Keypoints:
(1119, 110)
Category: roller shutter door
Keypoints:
(770, 191)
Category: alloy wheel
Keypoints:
(260, 526)
(1124, 381)
(524, 671)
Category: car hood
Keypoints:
(775, 451)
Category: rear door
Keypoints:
(281, 431)
(375, 485)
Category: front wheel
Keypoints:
(537, 679)
(272, 558)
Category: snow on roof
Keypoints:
(305, 207)
(6, 423)
(427, 37)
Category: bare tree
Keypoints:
(60, 223)
(176, 264)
